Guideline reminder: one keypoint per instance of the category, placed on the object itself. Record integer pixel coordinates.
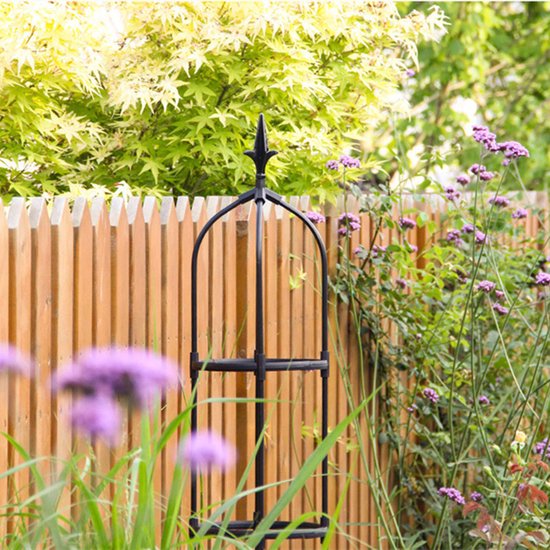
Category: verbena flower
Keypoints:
(477, 168)
(348, 223)
(483, 400)
(468, 228)
(486, 176)
(412, 247)
(486, 286)
(97, 416)
(542, 278)
(501, 202)
(378, 250)
(13, 360)
(480, 237)
(401, 283)
(406, 223)
(543, 448)
(205, 450)
(520, 214)
(315, 217)
(463, 179)
(512, 150)
(138, 375)
(333, 165)
(452, 494)
(349, 162)
(500, 309)
(476, 497)
(454, 236)
(499, 294)
(486, 138)
(431, 395)
(452, 194)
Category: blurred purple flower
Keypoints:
(499, 294)
(486, 138)
(406, 223)
(476, 497)
(315, 217)
(348, 223)
(483, 400)
(520, 213)
(500, 201)
(133, 373)
(431, 395)
(486, 286)
(410, 73)
(378, 250)
(411, 408)
(333, 165)
(543, 448)
(13, 360)
(512, 150)
(349, 162)
(454, 236)
(451, 193)
(542, 278)
(480, 237)
(500, 309)
(468, 228)
(412, 247)
(401, 283)
(97, 416)
(205, 450)
(477, 168)
(486, 176)
(452, 494)
(463, 179)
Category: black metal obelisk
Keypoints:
(259, 364)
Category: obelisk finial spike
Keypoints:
(261, 153)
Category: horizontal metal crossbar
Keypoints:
(305, 530)
(250, 365)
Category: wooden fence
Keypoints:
(93, 275)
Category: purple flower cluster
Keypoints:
(378, 250)
(477, 168)
(499, 294)
(500, 309)
(13, 360)
(468, 228)
(486, 176)
(486, 286)
(463, 179)
(431, 395)
(520, 214)
(510, 149)
(406, 223)
(486, 138)
(452, 494)
(102, 375)
(349, 162)
(500, 201)
(476, 497)
(412, 247)
(542, 448)
(483, 400)
(205, 450)
(542, 278)
(315, 217)
(480, 237)
(348, 223)
(345, 160)
(451, 193)
(454, 236)
(401, 283)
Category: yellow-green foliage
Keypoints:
(165, 95)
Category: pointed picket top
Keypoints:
(99, 211)
(134, 210)
(261, 153)
(38, 212)
(117, 213)
(150, 210)
(81, 213)
(183, 209)
(17, 213)
(167, 211)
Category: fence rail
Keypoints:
(88, 274)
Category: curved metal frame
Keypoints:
(260, 365)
